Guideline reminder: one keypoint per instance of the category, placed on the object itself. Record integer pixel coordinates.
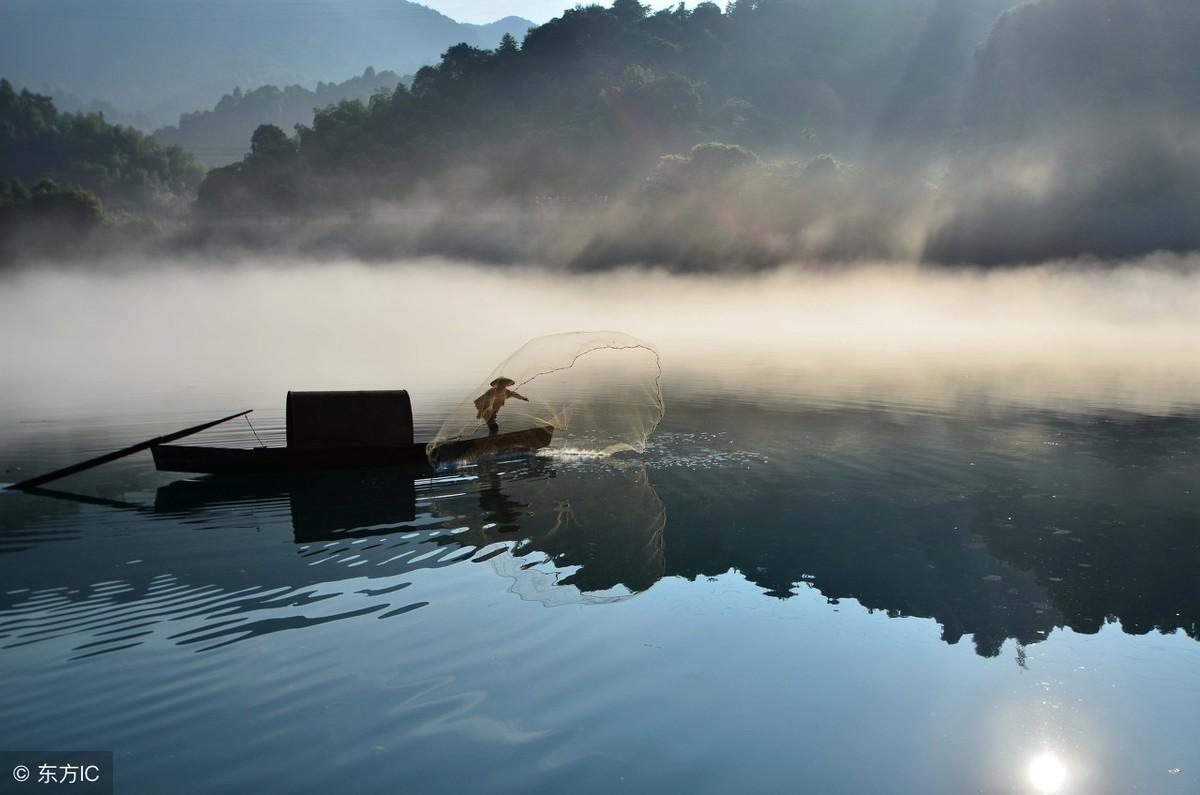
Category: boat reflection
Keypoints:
(211, 571)
(321, 506)
(591, 535)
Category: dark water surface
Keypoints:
(780, 595)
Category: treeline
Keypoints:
(76, 208)
(222, 135)
(167, 58)
(945, 130)
(65, 177)
(70, 103)
(125, 168)
(768, 131)
(589, 101)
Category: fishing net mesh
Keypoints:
(587, 537)
(600, 391)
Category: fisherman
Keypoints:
(490, 402)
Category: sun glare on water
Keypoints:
(1047, 773)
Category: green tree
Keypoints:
(270, 142)
(629, 11)
(508, 45)
(218, 136)
(70, 205)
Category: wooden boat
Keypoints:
(325, 431)
(344, 430)
(255, 460)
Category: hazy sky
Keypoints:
(490, 10)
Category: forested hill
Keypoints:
(1122, 63)
(125, 168)
(596, 95)
(70, 103)
(951, 130)
(768, 131)
(222, 135)
(168, 58)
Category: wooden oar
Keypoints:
(104, 459)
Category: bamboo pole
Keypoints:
(113, 456)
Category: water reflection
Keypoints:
(356, 540)
(998, 528)
(590, 535)
(321, 506)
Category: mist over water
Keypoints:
(1068, 335)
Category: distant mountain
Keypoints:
(222, 135)
(69, 103)
(167, 57)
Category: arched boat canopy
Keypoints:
(345, 420)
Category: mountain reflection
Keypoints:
(998, 527)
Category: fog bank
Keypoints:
(1062, 336)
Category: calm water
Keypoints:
(848, 583)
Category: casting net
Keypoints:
(600, 391)
(600, 541)
(563, 532)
